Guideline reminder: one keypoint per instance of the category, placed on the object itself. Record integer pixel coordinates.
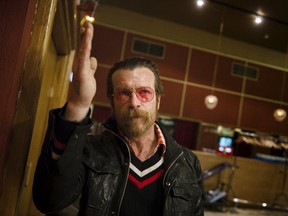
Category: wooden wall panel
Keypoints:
(201, 67)
(101, 77)
(171, 101)
(107, 44)
(226, 111)
(23, 87)
(268, 85)
(173, 65)
(13, 42)
(224, 78)
(258, 115)
(15, 28)
(175, 61)
(194, 104)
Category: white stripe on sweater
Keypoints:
(148, 170)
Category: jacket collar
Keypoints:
(173, 149)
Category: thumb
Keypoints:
(93, 64)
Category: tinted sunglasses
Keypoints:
(144, 94)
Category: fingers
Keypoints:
(86, 42)
(83, 52)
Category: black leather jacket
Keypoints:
(97, 167)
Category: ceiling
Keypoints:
(236, 15)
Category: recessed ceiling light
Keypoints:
(258, 20)
(200, 3)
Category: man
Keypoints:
(134, 167)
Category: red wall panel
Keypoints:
(268, 84)
(224, 77)
(226, 111)
(173, 65)
(107, 53)
(258, 115)
(201, 67)
(171, 101)
(101, 76)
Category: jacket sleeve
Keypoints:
(58, 183)
(196, 167)
(200, 207)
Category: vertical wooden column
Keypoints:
(28, 25)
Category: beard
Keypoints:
(135, 122)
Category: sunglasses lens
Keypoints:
(145, 94)
(122, 95)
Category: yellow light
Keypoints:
(211, 101)
(87, 18)
(258, 20)
(264, 204)
(200, 3)
(279, 114)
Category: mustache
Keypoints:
(136, 113)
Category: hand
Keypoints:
(84, 83)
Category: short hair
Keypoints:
(132, 63)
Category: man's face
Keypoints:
(135, 104)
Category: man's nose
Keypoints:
(134, 101)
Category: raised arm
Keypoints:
(57, 183)
(84, 83)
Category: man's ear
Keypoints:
(158, 102)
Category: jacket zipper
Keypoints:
(126, 180)
(122, 196)
(170, 167)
